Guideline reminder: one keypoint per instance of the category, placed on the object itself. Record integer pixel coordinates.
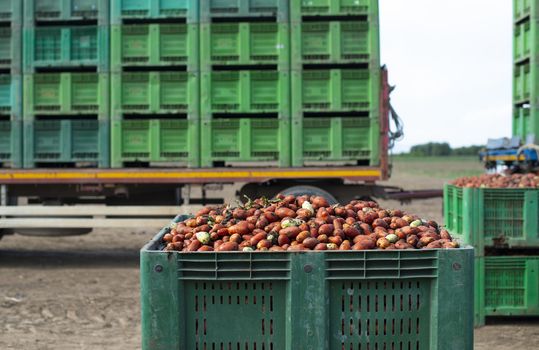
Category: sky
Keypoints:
(451, 62)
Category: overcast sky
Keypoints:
(451, 63)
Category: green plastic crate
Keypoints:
(334, 42)
(69, 47)
(154, 45)
(522, 122)
(524, 83)
(335, 90)
(523, 40)
(334, 139)
(525, 9)
(65, 10)
(151, 9)
(306, 300)
(10, 96)
(306, 8)
(245, 44)
(66, 94)
(488, 217)
(10, 143)
(506, 286)
(66, 141)
(245, 140)
(11, 11)
(245, 92)
(10, 49)
(173, 141)
(278, 9)
(154, 92)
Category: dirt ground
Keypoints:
(83, 292)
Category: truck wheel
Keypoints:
(311, 191)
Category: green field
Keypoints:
(438, 168)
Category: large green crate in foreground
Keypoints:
(155, 141)
(493, 217)
(311, 300)
(84, 142)
(251, 140)
(506, 286)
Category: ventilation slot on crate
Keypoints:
(505, 283)
(210, 305)
(380, 315)
(503, 214)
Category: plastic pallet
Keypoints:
(245, 92)
(10, 96)
(66, 94)
(66, 10)
(10, 143)
(155, 93)
(506, 286)
(275, 9)
(122, 10)
(11, 11)
(155, 141)
(334, 139)
(155, 45)
(10, 49)
(266, 43)
(488, 217)
(66, 47)
(331, 90)
(77, 142)
(307, 300)
(245, 140)
(334, 42)
(309, 8)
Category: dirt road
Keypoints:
(83, 292)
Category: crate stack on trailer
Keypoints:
(154, 83)
(335, 82)
(245, 94)
(66, 83)
(526, 69)
(502, 224)
(10, 84)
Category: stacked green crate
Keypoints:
(66, 83)
(245, 80)
(155, 83)
(502, 225)
(10, 84)
(526, 69)
(336, 83)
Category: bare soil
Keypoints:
(83, 292)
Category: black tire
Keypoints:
(311, 191)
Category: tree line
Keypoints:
(443, 149)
